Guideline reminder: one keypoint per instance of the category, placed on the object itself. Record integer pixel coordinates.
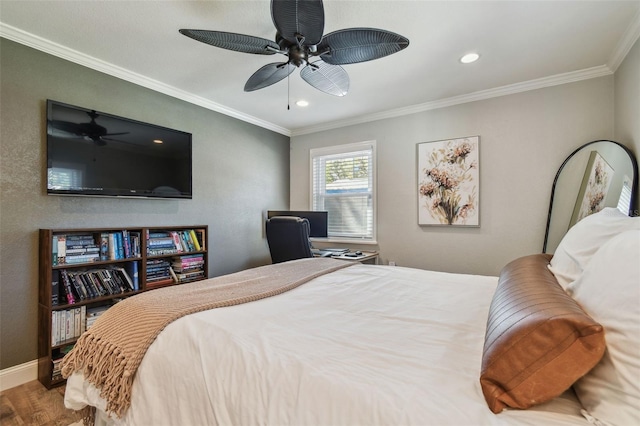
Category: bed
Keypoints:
(374, 345)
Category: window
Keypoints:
(343, 184)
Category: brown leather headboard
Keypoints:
(538, 340)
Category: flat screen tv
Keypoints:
(318, 220)
(98, 154)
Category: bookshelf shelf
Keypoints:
(99, 267)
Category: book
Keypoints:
(55, 329)
(132, 270)
(135, 243)
(173, 275)
(104, 246)
(77, 328)
(112, 246)
(119, 246)
(159, 283)
(126, 278)
(194, 240)
(69, 293)
(79, 286)
(55, 287)
(54, 250)
(62, 249)
(126, 244)
(201, 237)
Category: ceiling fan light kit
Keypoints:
(299, 36)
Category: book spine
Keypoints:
(81, 292)
(62, 249)
(176, 240)
(77, 322)
(67, 287)
(134, 275)
(55, 287)
(112, 246)
(55, 330)
(119, 246)
(127, 279)
(54, 250)
(173, 275)
(126, 244)
(194, 239)
(201, 237)
(83, 319)
(104, 246)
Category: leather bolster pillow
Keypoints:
(538, 340)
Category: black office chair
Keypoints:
(288, 238)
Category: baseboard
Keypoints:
(18, 375)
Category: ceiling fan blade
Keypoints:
(353, 45)
(268, 75)
(232, 41)
(331, 79)
(299, 19)
(64, 126)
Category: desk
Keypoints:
(365, 257)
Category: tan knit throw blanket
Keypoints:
(110, 352)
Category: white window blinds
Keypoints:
(64, 178)
(343, 184)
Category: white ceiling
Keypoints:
(523, 45)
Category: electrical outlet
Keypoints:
(392, 263)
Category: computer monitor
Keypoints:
(318, 221)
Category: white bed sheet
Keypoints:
(365, 345)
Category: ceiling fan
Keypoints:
(90, 131)
(299, 36)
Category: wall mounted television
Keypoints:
(98, 154)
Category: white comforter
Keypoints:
(365, 345)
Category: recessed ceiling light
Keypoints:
(158, 141)
(469, 57)
(302, 103)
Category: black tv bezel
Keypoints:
(311, 215)
(115, 194)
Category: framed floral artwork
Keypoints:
(449, 182)
(595, 185)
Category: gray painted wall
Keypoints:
(523, 140)
(239, 171)
(627, 103)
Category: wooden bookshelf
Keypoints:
(99, 265)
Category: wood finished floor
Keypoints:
(33, 405)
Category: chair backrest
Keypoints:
(288, 238)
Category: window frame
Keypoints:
(346, 149)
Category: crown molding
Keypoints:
(554, 80)
(11, 33)
(631, 35)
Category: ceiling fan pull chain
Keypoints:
(288, 93)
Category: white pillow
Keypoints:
(609, 291)
(584, 239)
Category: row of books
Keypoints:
(57, 362)
(158, 272)
(188, 268)
(171, 242)
(69, 324)
(74, 286)
(89, 247)
(180, 269)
